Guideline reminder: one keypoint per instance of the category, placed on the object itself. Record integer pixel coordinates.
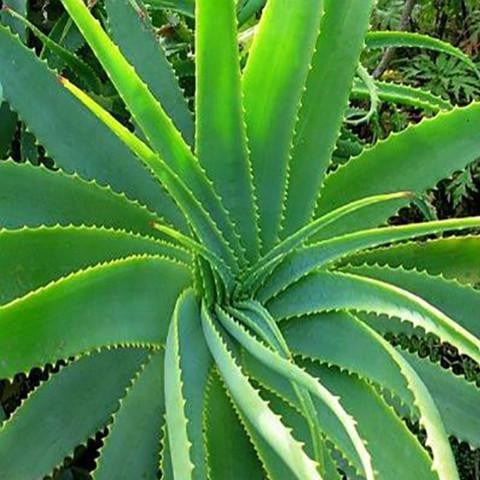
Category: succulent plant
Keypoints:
(219, 294)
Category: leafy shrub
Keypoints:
(219, 293)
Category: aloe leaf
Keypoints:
(403, 95)
(324, 291)
(457, 301)
(256, 318)
(230, 450)
(34, 196)
(134, 437)
(437, 439)
(165, 457)
(221, 143)
(454, 257)
(373, 415)
(193, 210)
(214, 261)
(77, 66)
(256, 410)
(306, 259)
(133, 32)
(319, 337)
(415, 159)
(75, 248)
(149, 115)
(323, 103)
(16, 26)
(65, 319)
(187, 364)
(358, 117)
(458, 401)
(387, 39)
(264, 266)
(69, 120)
(43, 431)
(295, 374)
(197, 216)
(285, 41)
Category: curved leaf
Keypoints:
(403, 95)
(453, 257)
(87, 146)
(132, 447)
(26, 255)
(127, 301)
(306, 259)
(459, 302)
(415, 160)
(388, 39)
(43, 431)
(230, 451)
(437, 439)
(158, 128)
(256, 410)
(324, 291)
(34, 196)
(187, 364)
(295, 374)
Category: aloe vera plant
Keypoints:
(219, 295)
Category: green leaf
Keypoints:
(133, 32)
(285, 42)
(336, 338)
(326, 97)
(193, 210)
(459, 302)
(230, 451)
(66, 319)
(26, 254)
(187, 364)
(453, 257)
(443, 461)
(415, 160)
(149, 115)
(458, 400)
(402, 95)
(82, 70)
(257, 274)
(21, 6)
(405, 453)
(256, 410)
(165, 457)
(388, 39)
(304, 260)
(52, 114)
(131, 449)
(290, 370)
(34, 196)
(221, 143)
(324, 291)
(44, 430)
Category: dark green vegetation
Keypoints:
(217, 295)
